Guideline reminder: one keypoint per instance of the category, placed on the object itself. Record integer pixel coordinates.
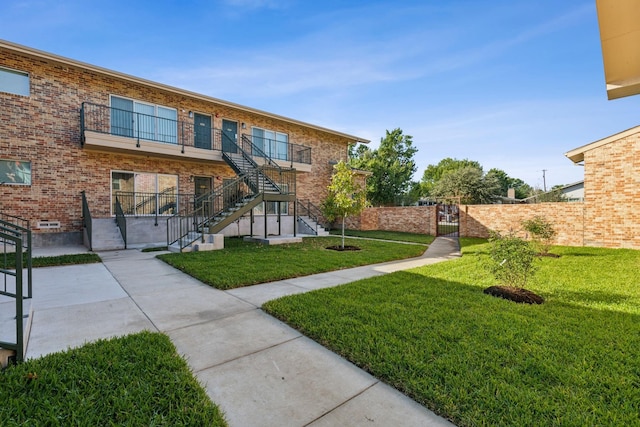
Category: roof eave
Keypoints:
(83, 65)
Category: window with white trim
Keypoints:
(137, 119)
(274, 144)
(14, 81)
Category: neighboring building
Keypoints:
(611, 186)
(148, 151)
(573, 192)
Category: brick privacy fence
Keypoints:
(477, 220)
(410, 219)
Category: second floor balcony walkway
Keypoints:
(124, 130)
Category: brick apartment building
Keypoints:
(144, 151)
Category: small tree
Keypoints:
(542, 233)
(512, 259)
(346, 197)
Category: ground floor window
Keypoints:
(272, 207)
(141, 193)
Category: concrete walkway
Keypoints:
(257, 369)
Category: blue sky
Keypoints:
(512, 84)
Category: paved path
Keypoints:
(258, 370)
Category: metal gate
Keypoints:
(15, 267)
(448, 220)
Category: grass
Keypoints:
(480, 360)
(387, 235)
(242, 263)
(155, 249)
(134, 380)
(52, 261)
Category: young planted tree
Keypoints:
(512, 264)
(346, 197)
(542, 233)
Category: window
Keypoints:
(272, 207)
(144, 193)
(136, 119)
(15, 172)
(274, 144)
(15, 82)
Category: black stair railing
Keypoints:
(121, 221)
(213, 208)
(15, 239)
(242, 162)
(308, 209)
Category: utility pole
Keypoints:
(544, 180)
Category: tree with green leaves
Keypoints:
(467, 185)
(346, 197)
(521, 188)
(434, 173)
(391, 165)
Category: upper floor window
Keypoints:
(274, 144)
(138, 119)
(15, 82)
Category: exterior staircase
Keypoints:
(105, 235)
(195, 227)
(310, 219)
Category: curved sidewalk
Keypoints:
(258, 370)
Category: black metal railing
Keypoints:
(86, 218)
(121, 221)
(137, 126)
(15, 239)
(278, 150)
(168, 202)
(188, 225)
(308, 209)
(248, 147)
(284, 179)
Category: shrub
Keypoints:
(512, 259)
(541, 231)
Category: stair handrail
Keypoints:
(312, 211)
(246, 156)
(86, 218)
(193, 220)
(259, 152)
(121, 221)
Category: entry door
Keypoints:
(203, 186)
(229, 136)
(202, 131)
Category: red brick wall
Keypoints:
(44, 128)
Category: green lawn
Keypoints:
(242, 263)
(481, 360)
(8, 260)
(387, 235)
(137, 380)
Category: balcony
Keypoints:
(112, 129)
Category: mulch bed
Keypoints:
(340, 248)
(514, 294)
(549, 255)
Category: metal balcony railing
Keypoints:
(143, 127)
